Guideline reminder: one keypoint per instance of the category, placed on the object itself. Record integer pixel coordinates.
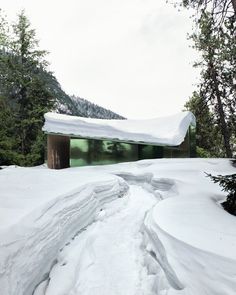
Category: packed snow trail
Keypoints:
(107, 258)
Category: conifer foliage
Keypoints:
(228, 184)
(219, 8)
(217, 88)
(24, 97)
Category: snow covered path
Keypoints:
(107, 258)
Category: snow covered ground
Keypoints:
(41, 210)
(148, 227)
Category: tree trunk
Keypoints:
(224, 128)
(234, 6)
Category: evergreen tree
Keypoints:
(23, 89)
(32, 97)
(208, 139)
(228, 184)
(217, 88)
(8, 140)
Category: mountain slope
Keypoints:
(73, 105)
(91, 110)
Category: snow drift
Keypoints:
(193, 238)
(187, 233)
(39, 213)
(175, 239)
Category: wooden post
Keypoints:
(58, 151)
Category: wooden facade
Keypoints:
(58, 151)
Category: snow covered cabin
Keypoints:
(78, 141)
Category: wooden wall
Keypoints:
(58, 151)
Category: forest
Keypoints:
(28, 89)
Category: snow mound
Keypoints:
(163, 131)
(197, 256)
(187, 233)
(191, 236)
(42, 211)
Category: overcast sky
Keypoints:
(131, 56)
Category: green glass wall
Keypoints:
(95, 152)
(192, 141)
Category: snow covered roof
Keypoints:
(169, 130)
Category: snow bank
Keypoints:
(164, 131)
(189, 240)
(187, 232)
(197, 256)
(193, 238)
(40, 210)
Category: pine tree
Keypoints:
(208, 138)
(228, 184)
(27, 97)
(32, 97)
(8, 140)
(217, 89)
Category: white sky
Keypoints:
(130, 56)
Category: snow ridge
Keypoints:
(28, 249)
(81, 264)
(107, 258)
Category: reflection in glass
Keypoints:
(95, 152)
